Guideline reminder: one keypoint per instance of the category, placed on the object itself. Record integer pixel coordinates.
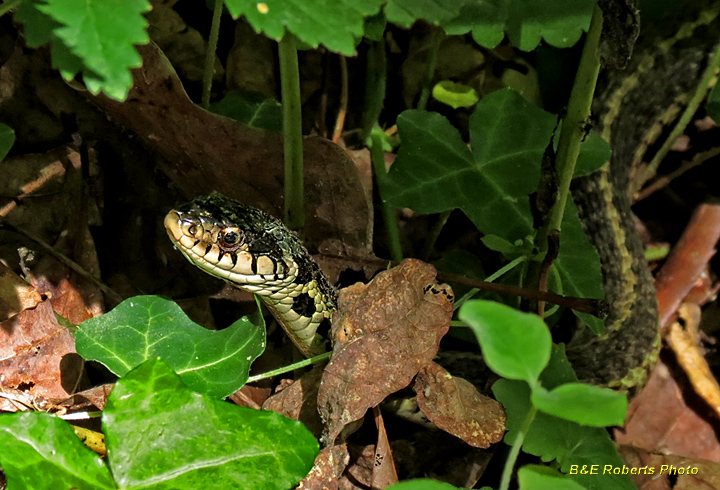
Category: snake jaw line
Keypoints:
(252, 250)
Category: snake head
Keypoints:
(240, 244)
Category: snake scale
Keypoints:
(254, 251)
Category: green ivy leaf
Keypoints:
(587, 405)
(552, 438)
(96, 37)
(405, 12)
(595, 152)
(435, 171)
(7, 139)
(515, 345)
(213, 362)
(253, 110)
(162, 435)
(42, 452)
(333, 23)
(536, 477)
(526, 22)
(422, 484)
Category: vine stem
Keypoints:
(209, 68)
(574, 123)
(378, 160)
(515, 451)
(687, 115)
(291, 367)
(294, 211)
(435, 39)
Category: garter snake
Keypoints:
(254, 251)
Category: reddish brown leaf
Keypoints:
(456, 406)
(299, 401)
(329, 465)
(384, 473)
(663, 471)
(384, 332)
(38, 354)
(675, 428)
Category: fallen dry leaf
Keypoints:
(384, 333)
(16, 294)
(684, 426)
(455, 406)
(325, 473)
(384, 472)
(684, 342)
(37, 354)
(669, 471)
(299, 401)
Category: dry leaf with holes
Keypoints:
(384, 332)
(456, 406)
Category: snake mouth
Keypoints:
(221, 252)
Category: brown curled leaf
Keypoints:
(456, 406)
(325, 473)
(385, 332)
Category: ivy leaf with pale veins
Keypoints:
(384, 333)
(213, 362)
(42, 452)
(435, 171)
(95, 37)
(162, 435)
(455, 406)
(333, 23)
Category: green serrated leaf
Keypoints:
(254, 110)
(526, 22)
(587, 405)
(455, 94)
(422, 484)
(551, 438)
(333, 23)
(96, 37)
(7, 139)
(515, 345)
(162, 435)
(406, 12)
(42, 452)
(213, 362)
(536, 477)
(435, 171)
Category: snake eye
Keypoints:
(229, 240)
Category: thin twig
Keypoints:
(63, 259)
(340, 121)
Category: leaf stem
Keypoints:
(375, 81)
(294, 211)
(435, 39)
(515, 451)
(378, 160)
(209, 69)
(291, 367)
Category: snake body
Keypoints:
(254, 251)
